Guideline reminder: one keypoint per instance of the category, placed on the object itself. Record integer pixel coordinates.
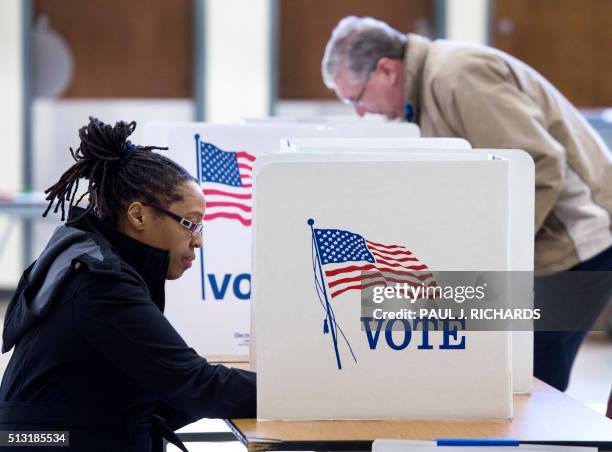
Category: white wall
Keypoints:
(55, 125)
(466, 20)
(56, 122)
(238, 59)
(11, 130)
(11, 92)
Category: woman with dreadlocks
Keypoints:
(94, 354)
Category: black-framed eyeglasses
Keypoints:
(354, 102)
(194, 228)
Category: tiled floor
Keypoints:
(591, 379)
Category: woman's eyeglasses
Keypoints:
(194, 228)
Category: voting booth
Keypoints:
(323, 219)
(522, 208)
(210, 305)
(466, 219)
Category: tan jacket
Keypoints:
(495, 101)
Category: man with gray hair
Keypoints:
(493, 100)
(362, 48)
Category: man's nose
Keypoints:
(360, 110)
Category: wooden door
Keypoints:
(305, 27)
(567, 41)
(129, 49)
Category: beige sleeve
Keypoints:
(482, 103)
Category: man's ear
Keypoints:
(136, 215)
(388, 67)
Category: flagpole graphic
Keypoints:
(330, 322)
(199, 170)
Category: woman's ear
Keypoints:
(136, 214)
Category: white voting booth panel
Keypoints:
(370, 129)
(522, 200)
(209, 305)
(313, 350)
(521, 258)
(158, 132)
(395, 144)
(317, 119)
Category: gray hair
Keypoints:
(359, 42)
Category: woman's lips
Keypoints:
(187, 261)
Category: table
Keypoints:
(546, 416)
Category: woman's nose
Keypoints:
(196, 240)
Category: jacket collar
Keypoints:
(151, 263)
(415, 55)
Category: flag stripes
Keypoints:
(227, 183)
(385, 264)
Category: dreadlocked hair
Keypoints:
(118, 173)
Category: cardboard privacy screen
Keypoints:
(522, 199)
(210, 304)
(158, 132)
(395, 144)
(322, 219)
(522, 212)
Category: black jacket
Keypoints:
(94, 353)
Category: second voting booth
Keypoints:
(212, 302)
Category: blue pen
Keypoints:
(476, 442)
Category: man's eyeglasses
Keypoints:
(194, 228)
(354, 102)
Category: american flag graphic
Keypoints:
(350, 262)
(227, 181)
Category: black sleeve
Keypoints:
(174, 419)
(117, 318)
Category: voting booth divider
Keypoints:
(334, 119)
(158, 132)
(522, 208)
(321, 220)
(366, 144)
(210, 305)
